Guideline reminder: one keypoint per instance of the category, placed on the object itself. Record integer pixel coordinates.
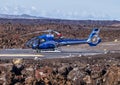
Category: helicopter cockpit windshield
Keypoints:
(37, 42)
(34, 42)
(30, 42)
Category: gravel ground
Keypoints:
(83, 70)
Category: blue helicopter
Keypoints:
(49, 41)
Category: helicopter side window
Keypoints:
(42, 40)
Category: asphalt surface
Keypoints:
(30, 53)
(63, 52)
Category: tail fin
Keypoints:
(94, 38)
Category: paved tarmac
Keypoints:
(30, 53)
(63, 52)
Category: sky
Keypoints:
(64, 9)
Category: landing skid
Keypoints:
(47, 50)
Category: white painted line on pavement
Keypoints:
(22, 55)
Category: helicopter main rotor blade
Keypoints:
(31, 33)
(49, 31)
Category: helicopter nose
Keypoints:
(28, 44)
(34, 45)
